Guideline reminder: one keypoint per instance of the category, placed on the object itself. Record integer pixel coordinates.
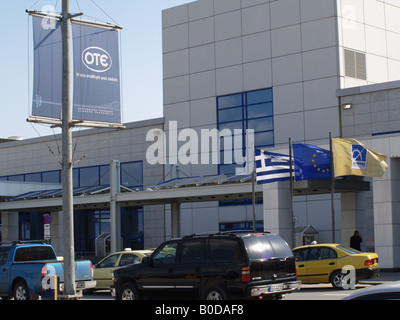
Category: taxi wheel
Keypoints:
(336, 279)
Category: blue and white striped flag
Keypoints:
(271, 167)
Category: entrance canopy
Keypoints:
(179, 190)
(194, 189)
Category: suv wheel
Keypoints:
(129, 291)
(215, 293)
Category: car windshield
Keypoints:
(348, 249)
(266, 247)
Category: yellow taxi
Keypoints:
(104, 268)
(323, 263)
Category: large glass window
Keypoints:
(105, 175)
(52, 176)
(86, 230)
(17, 178)
(33, 177)
(88, 225)
(89, 177)
(31, 226)
(247, 110)
(132, 228)
(241, 225)
(131, 176)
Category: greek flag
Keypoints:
(271, 167)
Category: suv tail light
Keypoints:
(295, 267)
(246, 274)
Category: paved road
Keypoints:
(98, 295)
(307, 292)
(321, 292)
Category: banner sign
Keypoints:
(47, 83)
(96, 74)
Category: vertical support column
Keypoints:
(176, 219)
(365, 219)
(349, 216)
(115, 212)
(56, 232)
(277, 210)
(9, 226)
(386, 216)
(175, 208)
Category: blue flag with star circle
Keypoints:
(311, 162)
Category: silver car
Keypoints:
(385, 291)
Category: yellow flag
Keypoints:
(351, 157)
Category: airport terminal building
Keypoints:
(288, 69)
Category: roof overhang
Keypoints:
(154, 197)
(175, 191)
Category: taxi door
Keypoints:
(320, 264)
(103, 270)
(301, 261)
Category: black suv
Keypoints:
(212, 267)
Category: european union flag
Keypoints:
(311, 162)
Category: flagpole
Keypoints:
(291, 192)
(332, 188)
(253, 187)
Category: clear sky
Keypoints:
(141, 58)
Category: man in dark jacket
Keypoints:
(355, 241)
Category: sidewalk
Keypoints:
(382, 278)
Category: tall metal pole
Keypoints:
(293, 226)
(332, 189)
(67, 185)
(253, 185)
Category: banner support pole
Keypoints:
(67, 182)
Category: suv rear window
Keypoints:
(223, 250)
(34, 254)
(266, 247)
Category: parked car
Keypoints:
(104, 268)
(211, 267)
(24, 264)
(323, 263)
(385, 291)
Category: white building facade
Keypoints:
(304, 51)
